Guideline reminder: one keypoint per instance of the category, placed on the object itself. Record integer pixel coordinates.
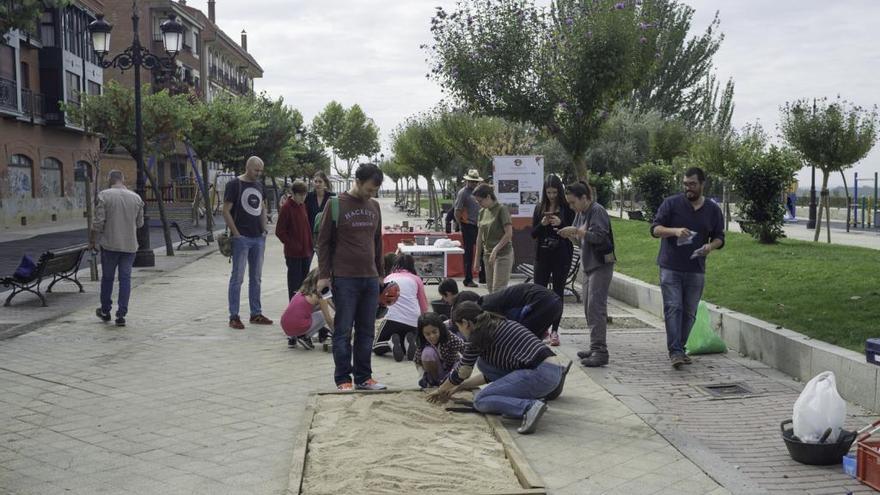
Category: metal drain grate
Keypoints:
(725, 390)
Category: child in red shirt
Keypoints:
(307, 314)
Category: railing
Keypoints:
(172, 193)
(184, 193)
(150, 194)
(33, 104)
(8, 94)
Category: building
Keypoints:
(43, 154)
(210, 63)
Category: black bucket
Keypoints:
(817, 454)
(441, 308)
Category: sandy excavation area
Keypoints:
(399, 443)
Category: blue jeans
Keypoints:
(111, 261)
(356, 300)
(681, 297)
(514, 392)
(246, 251)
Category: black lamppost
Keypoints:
(136, 56)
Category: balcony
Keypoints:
(8, 95)
(33, 105)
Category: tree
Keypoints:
(166, 121)
(359, 137)
(24, 14)
(476, 139)
(329, 125)
(310, 155)
(419, 143)
(223, 131)
(832, 135)
(654, 181)
(760, 180)
(561, 68)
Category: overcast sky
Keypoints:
(367, 52)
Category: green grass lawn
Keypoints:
(826, 291)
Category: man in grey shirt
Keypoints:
(118, 215)
(466, 212)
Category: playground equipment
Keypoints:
(869, 208)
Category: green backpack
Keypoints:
(334, 209)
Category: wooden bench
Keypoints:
(60, 265)
(191, 238)
(528, 270)
(635, 214)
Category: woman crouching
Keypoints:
(520, 370)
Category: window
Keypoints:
(73, 87)
(47, 28)
(25, 76)
(7, 62)
(80, 183)
(94, 88)
(21, 183)
(50, 178)
(196, 41)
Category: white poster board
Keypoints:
(518, 182)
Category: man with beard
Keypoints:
(690, 228)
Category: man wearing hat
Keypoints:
(466, 212)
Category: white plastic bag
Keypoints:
(818, 408)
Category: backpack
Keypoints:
(334, 209)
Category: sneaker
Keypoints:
(470, 283)
(554, 339)
(102, 315)
(323, 334)
(687, 359)
(531, 417)
(595, 360)
(306, 342)
(291, 342)
(370, 384)
(396, 348)
(558, 390)
(584, 354)
(411, 346)
(260, 320)
(235, 322)
(120, 321)
(345, 387)
(677, 360)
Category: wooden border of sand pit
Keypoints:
(529, 480)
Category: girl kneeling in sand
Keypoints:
(519, 369)
(438, 350)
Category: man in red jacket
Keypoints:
(296, 235)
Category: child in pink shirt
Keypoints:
(306, 314)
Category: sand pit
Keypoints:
(399, 443)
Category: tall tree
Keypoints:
(359, 137)
(419, 144)
(562, 68)
(832, 135)
(24, 14)
(329, 126)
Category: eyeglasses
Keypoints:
(690, 184)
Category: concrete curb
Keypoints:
(793, 353)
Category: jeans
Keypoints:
(469, 238)
(552, 265)
(596, 285)
(681, 297)
(498, 273)
(297, 269)
(356, 300)
(246, 251)
(111, 262)
(513, 393)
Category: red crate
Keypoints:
(868, 462)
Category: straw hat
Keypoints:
(473, 175)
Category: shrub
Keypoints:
(760, 180)
(654, 182)
(604, 185)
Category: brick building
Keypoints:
(210, 63)
(43, 154)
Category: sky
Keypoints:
(367, 52)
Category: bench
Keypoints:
(191, 238)
(635, 214)
(528, 270)
(60, 265)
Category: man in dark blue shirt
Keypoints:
(690, 228)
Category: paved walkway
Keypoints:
(179, 403)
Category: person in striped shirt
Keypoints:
(520, 370)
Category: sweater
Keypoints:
(449, 351)
(514, 347)
(293, 230)
(353, 247)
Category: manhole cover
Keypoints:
(725, 390)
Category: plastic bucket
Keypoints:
(817, 454)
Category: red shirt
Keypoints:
(294, 231)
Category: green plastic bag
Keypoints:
(702, 339)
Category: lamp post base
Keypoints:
(144, 256)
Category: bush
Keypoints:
(760, 181)
(604, 185)
(654, 182)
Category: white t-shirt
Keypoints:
(412, 301)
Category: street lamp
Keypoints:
(136, 56)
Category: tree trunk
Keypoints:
(848, 202)
(160, 201)
(209, 211)
(725, 193)
(822, 203)
(93, 264)
(621, 198)
(580, 168)
(828, 215)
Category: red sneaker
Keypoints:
(345, 387)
